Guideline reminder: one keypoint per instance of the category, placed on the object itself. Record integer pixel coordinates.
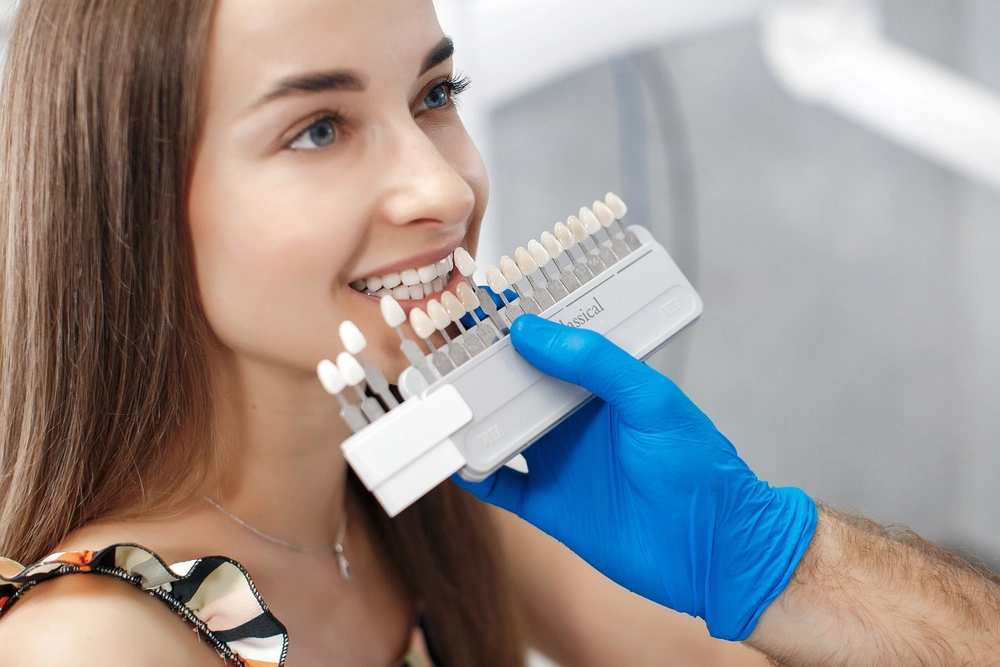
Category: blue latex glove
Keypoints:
(643, 487)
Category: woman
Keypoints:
(190, 189)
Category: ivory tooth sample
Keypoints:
(355, 342)
(543, 259)
(354, 374)
(619, 209)
(394, 316)
(499, 284)
(439, 316)
(552, 246)
(467, 266)
(594, 227)
(484, 328)
(424, 328)
(512, 274)
(580, 234)
(607, 219)
(526, 264)
(334, 383)
(568, 242)
(456, 311)
(464, 263)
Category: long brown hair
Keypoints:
(104, 380)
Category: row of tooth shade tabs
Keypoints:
(540, 274)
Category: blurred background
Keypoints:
(828, 174)
(848, 262)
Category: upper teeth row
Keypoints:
(409, 284)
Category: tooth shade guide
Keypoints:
(392, 312)
(351, 337)
(551, 245)
(604, 214)
(564, 236)
(464, 262)
(525, 262)
(617, 206)
(590, 221)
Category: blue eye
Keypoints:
(438, 97)
(321, 133)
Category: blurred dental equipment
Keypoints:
(471, 403)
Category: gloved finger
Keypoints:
(593, 362)
(505, 488)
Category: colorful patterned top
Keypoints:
(216, 595)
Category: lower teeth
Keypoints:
(406, 293)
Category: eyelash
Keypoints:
(456, 85)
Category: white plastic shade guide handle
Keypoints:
(350, 335)
(617, 206)
(392, 312)
(349, 367)
(464, 262)
(331, 378)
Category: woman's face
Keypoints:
(331, 152)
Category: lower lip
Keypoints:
(409, 304)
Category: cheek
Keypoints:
(268, 262)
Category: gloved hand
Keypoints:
(642, 486)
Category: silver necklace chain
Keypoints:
(337, 548)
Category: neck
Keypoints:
(280, 466)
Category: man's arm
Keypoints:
(865, 594)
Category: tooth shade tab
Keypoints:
(509, 269)
(410, 277)
(603, 213)
(590, 221)
(452, 306)
(467, 297)
(437, 313)
(391, 280)
(551, 245)
(392, 312)
(617, 206)
(349, 367)
(463, 260)
(442, 268)
(350, 335)
(538, 253)
(330, 377)
(495, 279)
(577, 229)
(427, 273)
(525, 262)
(564, 236)
(421, 324)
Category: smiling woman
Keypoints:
(195, 195)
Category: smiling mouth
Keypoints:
(411, 284)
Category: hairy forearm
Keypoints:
(869, 595)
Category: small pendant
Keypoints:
(345, 567)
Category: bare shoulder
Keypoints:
(89, 620)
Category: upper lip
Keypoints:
(417, 261)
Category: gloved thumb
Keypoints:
(592, 361)
(505, 488)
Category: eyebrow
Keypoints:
(320, 82)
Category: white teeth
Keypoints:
(617, 206)
(603, 213)
(525, 262)
(421, 324)
(405, 285)
(391, 280)
(452, 306)
(538, 253)
(427, 273)
(509, 269)
(463, 260)
(551, 245)
(410, 277)
(589, 220)
(564, 236)
(438, 315)
(392, 312)
(577, 229)
(495, 279)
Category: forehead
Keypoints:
(255, 42)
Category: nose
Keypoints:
(420, 183)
